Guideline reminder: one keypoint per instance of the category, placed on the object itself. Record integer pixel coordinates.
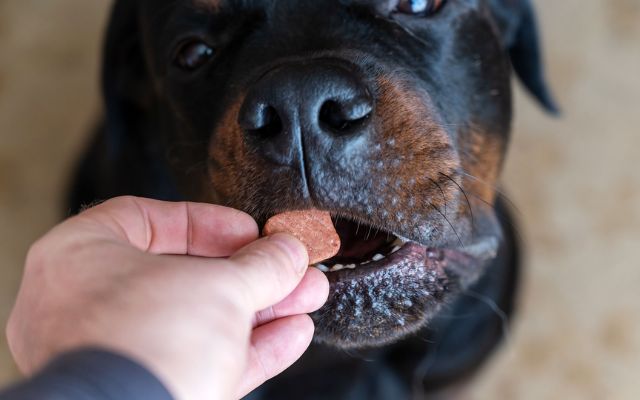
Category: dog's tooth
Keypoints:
(337, 267)
(396, 248)
(365, 262)
(378, 257)
(350, 266)
(322, 267)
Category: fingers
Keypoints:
(160, 227)
(274, 348)
(270, 268)
(308, 297)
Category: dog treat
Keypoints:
(312, 227)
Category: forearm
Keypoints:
(90, 375)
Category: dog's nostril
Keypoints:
(264, 122)
(345, 117)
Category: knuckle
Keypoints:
(11, 331)
(17, 341)
(36, 255)
(116, 202)
(127, 199)
(103, 203)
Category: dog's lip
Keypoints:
(465, 260)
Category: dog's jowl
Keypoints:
(392, 115)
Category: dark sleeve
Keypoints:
(90, 375)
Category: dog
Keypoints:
(393, 115)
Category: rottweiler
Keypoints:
(393, 115)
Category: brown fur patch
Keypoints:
(482, 156)
(228, 154)
(407, 127)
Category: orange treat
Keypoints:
(312, 227)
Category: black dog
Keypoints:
(394, 115)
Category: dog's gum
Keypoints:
(313, 228)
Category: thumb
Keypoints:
(271, 268)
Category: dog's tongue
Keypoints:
(313, 228)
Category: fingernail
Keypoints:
(296, 250)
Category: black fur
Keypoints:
(165, 136)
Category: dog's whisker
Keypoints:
(513, 226)
(473, 223)
(444, 197)
(423, 368)
(454, 317)
(504, 319)
(337, 217)
(453, 125)
(502, 196)
(492, 187)
(479, 180)
(509, 221)
(355, 354)
(368, 233)
(425, 339)
(195, 167)
(449, 222)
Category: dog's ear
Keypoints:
(517, 22)
(125, 80)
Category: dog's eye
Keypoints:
(421, 7)
(194, 54)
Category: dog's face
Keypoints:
(393, 115)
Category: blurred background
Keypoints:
(575, 182)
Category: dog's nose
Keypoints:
(311, 106)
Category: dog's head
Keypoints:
(394, 115)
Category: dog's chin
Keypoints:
(385, 287)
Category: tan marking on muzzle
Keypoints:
(481, 163)
(410, 132)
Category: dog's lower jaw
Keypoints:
(380, 306)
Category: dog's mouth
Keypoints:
(361, 246)
(385, 286)
(365, 249)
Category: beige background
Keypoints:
(575, 180)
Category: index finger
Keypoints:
(182, 228)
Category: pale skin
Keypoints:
(187, 290)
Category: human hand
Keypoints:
(185, 289)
